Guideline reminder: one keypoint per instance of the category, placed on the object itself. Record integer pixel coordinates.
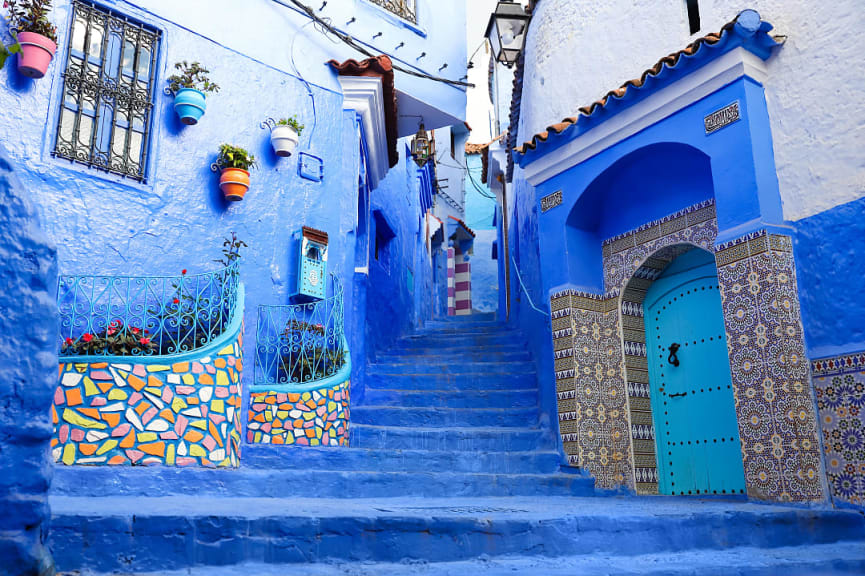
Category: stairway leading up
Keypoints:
(448, 472)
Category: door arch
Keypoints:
(693, 406)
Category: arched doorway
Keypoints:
(693, 406)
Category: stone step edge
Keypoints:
(783, 560)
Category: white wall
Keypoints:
(479, 107)
(578, 51)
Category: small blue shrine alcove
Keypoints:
(311, 265)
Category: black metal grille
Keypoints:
(403, 8)
(107, 91)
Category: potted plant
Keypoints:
(285, 135)
(189, 86)
(35, 36)
(235, 163)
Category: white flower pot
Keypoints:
(284, 140)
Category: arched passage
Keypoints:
(681, 404)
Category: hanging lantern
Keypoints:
(506, 31)
(422, 148)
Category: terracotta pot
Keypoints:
(234, 183)
(36, 54)
(284, 140)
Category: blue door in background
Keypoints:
(689, 373)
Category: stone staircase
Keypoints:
(448, 473)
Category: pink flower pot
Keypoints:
(36, 54)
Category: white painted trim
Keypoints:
(365, 95)
(666, 102)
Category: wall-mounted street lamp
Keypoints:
(506, 31)
(422, 148)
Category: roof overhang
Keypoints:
(413, 111)
(365, 96)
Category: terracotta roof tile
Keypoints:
(464, 225)
(382, 67)
(665, 63)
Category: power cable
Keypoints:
(350, 41)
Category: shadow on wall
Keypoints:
(29, 360)
(643, 186)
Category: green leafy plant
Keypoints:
(314, 363)
(293, 122)
(26, 16)
(235, 157)
(191, 76)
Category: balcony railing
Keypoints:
(301, 343)
(405, 9)
(145, 315)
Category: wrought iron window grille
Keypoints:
(301, 343)
(405, 9)
(108, 89)
(145, 315)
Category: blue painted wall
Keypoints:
(28, 355)
(480, 213)
(830, 270)
(103, 224)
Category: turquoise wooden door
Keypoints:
(692, 398)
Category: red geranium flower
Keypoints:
(177, 301)
(135, 330)
(69, 341)
(144, 341)
(87, 337)
(183, 271)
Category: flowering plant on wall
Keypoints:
(234, 163)
(116, 340)
(285, 135)
(34, 34)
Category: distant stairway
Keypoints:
(448, 473)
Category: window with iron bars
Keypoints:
(405, 9)
(105, 115)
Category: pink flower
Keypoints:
(144, 341)
(135, 330)
(110, 331)
(87, 337)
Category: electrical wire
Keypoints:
(302, 79)
(350, 41)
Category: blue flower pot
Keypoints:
(190, 105)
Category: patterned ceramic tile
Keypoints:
(602, 378)
(840, 386)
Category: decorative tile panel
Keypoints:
(601, 366)
(839, 383)
(181, 414)
(315, 418)
(770, 373)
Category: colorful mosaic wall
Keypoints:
(181, 414)
(840, 387)
(602, 375)
(771, 380)
(316, 418)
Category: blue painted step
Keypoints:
(274, 484)
(419, 366)
(454, 351)
(836, 559)
(138, 534)
(523, 398)
(458, 439)
(433, 340)
(378, 379)
(432, 417)
(493, 354)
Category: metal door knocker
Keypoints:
(672, 358)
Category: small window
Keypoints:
(693, 15)
(403, 8)
(108, 80)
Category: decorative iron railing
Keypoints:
(145, 315)
(301, 343)
(405, 9)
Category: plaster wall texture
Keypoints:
(810, 91)
(28, 354)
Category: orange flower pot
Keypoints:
(234, 183)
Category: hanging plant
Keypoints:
(189, 86)
(285, 136)
(234, 162)
(35, 36)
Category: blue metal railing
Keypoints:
(145, 315)
(301, 343)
